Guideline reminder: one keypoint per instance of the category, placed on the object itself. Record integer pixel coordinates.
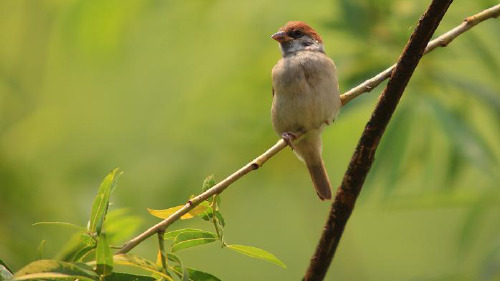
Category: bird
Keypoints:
(305, 97)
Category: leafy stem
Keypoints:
(217, 224)
(161, 246)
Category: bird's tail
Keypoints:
(309, 151)
(320, 179)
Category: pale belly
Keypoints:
(306, 94)
(302, 113)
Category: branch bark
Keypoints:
(364, 154)
(441, 41)
(366, 86)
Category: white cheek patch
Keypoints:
(298, 45)
(292, 47)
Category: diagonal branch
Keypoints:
(441, 41)
(364, 155)
(366, 86)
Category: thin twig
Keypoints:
(366, 86)
(216, 189)
(441, 41)
(364, 155)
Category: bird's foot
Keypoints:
(289, 137)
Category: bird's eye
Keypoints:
(296, 33)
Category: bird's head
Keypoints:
(298, 36)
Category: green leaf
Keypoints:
(87, 244)
(207, 215)
(79, 245)
(5, 273)
(82, 253)
(104, 257)
(197, 275)
(208, 183)
(56, 268)
(53, 276)
(256, 253)
(5, 265)
(179, 270)
(101, 202)
(188, 239)
(62, 224)
(172, 234)
(119, 276)
(219, 216)
(134, 261)
(40, 249)
(467, 140)
(484, 53)
(174, 258)
(392, 151)
(486, 94)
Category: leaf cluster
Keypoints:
(90, 257)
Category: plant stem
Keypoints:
(161, 246)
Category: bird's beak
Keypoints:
(281, 37)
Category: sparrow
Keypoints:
(305, 97)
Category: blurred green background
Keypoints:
(172, 91)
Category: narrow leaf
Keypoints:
(134, 261)
(104, 257)
(87, 244)
(53, 276)
(120, 276)
(62, 224)
(5, 273)
(207, 215)
(219, 216)
(82, 252)
(468, 141)
(165, 213)
(40, 250)
(193, 234)
(52, 266)
(5, 265)
(188, 239)
(192, 243)
(172, 234)
(208, 183)
(181, 272)
(256, 253)
(197, 275)
(76, 247)
(101, 202)
(179, 269)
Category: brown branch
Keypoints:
(441, 41)
(363, 156)
(366, 86)
(216, 189)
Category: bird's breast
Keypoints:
(305, 92)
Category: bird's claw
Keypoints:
(289, 137)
